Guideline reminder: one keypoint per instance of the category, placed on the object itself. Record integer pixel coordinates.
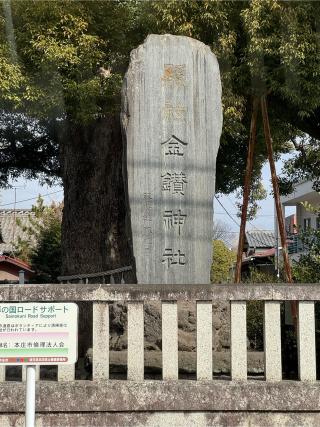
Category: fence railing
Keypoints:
(170, 295)
(295, 245)
(103, 276)
(174, 400)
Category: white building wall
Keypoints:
(303, 214)
(303, 193)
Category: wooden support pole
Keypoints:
(246, 188)
(275, 185)
(281, 225)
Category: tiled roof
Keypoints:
(266, 253)
(10, 231)
(260, 239)
(15, 261)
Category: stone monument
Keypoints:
(172, 119)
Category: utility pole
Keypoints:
(277, 266)
(14, 211)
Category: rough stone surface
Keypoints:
(164, 292)
(238, 340)
(306, 341)
(66, 372)
(100, 341)
(272, 341)
(170, 364)
(135, 342)
(177, 419)
(155, 395)
(172, 120)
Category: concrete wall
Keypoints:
(302, 214)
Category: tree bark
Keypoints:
(94, 235)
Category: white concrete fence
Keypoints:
(135, 296)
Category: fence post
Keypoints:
(21, 277)
(306, 341)
(204, 340)
(135, 341)
(169, 340)
(100, 344)
(272, 341)
(238, 340)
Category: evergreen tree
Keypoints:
(42, 245)
(222, 263)
(61, 72)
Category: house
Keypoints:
(10, 232)
(10, 268)
(291, 224)
(302, 219)
(259, 252)
(258, 241)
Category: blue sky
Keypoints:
(265, 217)
(26, 193)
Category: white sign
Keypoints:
(38, 333)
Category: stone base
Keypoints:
(163, 403)
(177, 419)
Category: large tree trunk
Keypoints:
(94, 236)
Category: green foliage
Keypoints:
(283, 49)
(303, 165)
(257, 276)
(270, 47)
(223, 260)
(42, 246)
(307, 268)
(51, 60)
(61, 64)
(257, 193)
(311, 208)
(60, 50)
(46, 258)
(255, 324)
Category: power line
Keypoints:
(234, 214)
(232, 219)
(247, 219)
(32, 198)
(255, 238)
